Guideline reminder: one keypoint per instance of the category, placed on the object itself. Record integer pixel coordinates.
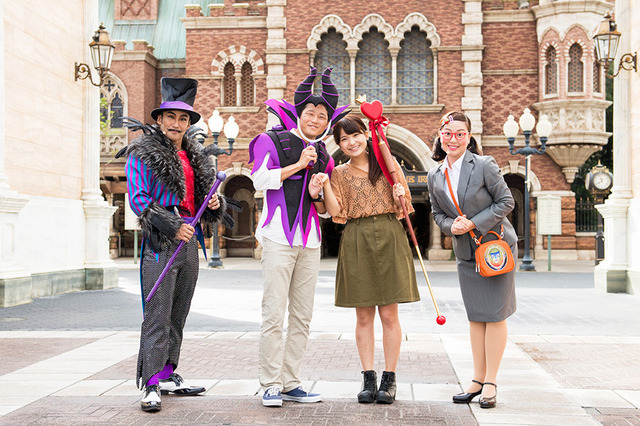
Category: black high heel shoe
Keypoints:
(491, 401)
(465, 398)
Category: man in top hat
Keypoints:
(289, 231)
(168, 178)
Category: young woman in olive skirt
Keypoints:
(375, 264)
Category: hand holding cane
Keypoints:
(373, 111)
(220, 177)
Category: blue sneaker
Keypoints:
(300, 395)
(272, 397)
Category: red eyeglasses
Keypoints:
(458, 135)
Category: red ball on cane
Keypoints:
(441, 319)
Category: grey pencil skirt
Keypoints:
(487, 299)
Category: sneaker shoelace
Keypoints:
(272, 392)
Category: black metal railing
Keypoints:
(586, 216)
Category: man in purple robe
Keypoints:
(284, 159)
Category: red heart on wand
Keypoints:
(372, 110)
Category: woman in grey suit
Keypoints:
(485, 200)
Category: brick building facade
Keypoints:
(488, 58)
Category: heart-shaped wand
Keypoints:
(373, 111)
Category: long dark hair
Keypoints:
(438, 153)
(350, 125)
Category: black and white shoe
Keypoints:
(175, 384)
(151, 399)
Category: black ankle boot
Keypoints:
(369, 387)
(387, 391)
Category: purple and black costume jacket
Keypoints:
(296, 208)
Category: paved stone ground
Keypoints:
(236, 411)
(19, 353)
(330, 360)
(572, 364)
(615, 416)
(70, 359)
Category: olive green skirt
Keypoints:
(375, 265)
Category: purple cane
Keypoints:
(220, 176)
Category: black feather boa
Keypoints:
(160, 155)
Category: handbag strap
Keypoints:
(473, 235)
(446, 175)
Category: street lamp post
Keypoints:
(606, 41)
(231, 130)
(510, 128)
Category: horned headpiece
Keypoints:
(289, 114)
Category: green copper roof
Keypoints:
(166, 34)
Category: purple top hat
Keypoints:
(178, 94)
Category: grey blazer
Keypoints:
(484, 198)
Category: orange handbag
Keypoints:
(493, 257)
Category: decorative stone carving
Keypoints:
(575, 119)
(578, 131)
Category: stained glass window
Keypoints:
(373, 67)
(229, 82)
(332, 52)
(116, 110)
(113, 102)
(415, 69)
(551, 72)
(247, 84)
(576, 69)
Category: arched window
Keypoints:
(332, 53)
(415, 69)
(551, 72)
(113, 107)
(246, 83)
(229, 82)
(597, 72)
(575, 69)
(373, 67)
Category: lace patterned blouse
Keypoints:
(357, 197)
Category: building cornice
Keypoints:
(457, 48)
(598, 7)
(510, 72)
(135, 55)
(172, 63)
(224, 22)
(563, 103)
(516, 15)
(412, 109)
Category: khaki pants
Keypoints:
(290, 274)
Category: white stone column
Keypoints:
(394, 75)
(436, 252)
(276, 53)
(238, 78)
(352, 75)
(15, 282)
(472, 60)
(611, 274)
(101, 271)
